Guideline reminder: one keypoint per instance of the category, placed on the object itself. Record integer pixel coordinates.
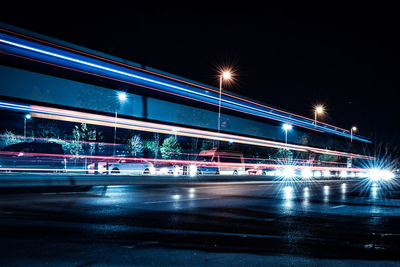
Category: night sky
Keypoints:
(289, 55)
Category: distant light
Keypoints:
(354, 128)
(28, 116)
(122, 96)
(192, 170)
(343, 174)
(306, 173)
(317, 174)
(288, 172)
(326, 173)
(192, 190)
(176, 197)
(287, 127)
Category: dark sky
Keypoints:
(290, 55)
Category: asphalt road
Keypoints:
(249, 224)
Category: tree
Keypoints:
(47, 129)
(8, 138)
(283, 154)
(135, 145)
(170, 148)
(81, 143)
(153, 145)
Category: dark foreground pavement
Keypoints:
(279, 223)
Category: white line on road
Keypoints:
(339, 206)
(180, 200)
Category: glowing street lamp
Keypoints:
(353, 129)
(26, 117)
(318, 110)
(225, 75)
(286, 127)
(122, 97)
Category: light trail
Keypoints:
(109, 121)
(181, 80)
(241, 106)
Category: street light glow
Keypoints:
(122, 96)
(287, 127)
(319, 109)
(354, 128)
(28, 116)
(226, 75)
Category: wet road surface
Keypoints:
(282, 223)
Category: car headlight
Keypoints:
(377, 174)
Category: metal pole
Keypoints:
(219, 105)
(24, 128)
(351, 135)
(286, 136)
(315, 118)
(115, 132)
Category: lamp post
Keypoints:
(318, 110)
(353, 129)
(225, 75)
(122, 97)
(286, 127)
(26, 117)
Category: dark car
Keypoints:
(33, 156)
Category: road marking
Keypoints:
(187, 199)
(339, 206)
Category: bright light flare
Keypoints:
(122, 96)
(306, 173)
(287, 127)
(288, 172)
(226, 75)
(319, 109)
(378, 175)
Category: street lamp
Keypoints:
(122, 97)
(225, 75)
(318, 110)
(353, 129)
(286, 127)
(26, 117)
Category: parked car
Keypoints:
(204, 165)
(169, 169)
(33, 156)
(134, 166)
(228, 162)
